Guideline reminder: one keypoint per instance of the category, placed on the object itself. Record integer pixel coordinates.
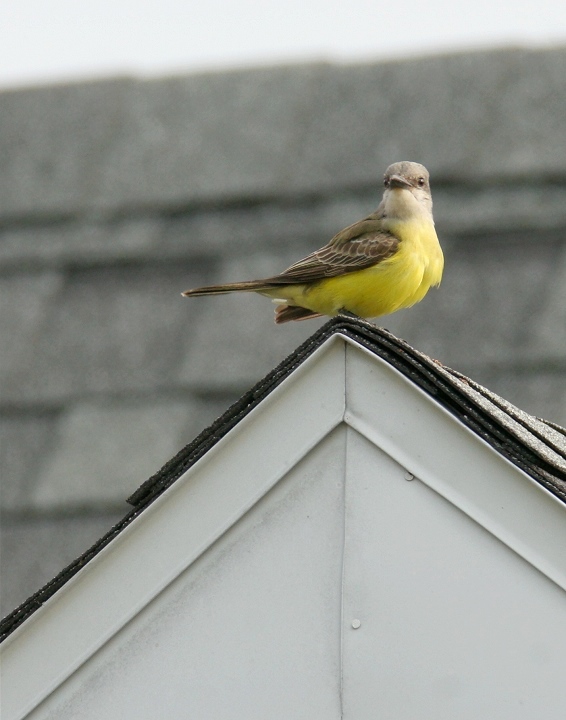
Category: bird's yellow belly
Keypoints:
(393, 284)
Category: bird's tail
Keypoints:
(286, 313)
(248, 286)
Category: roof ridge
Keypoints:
(466, 400)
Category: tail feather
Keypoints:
(286, 313)
(283, 313)
(249, 286)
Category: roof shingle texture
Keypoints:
(535, 446)
(117, 195)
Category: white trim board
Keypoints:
(340, 382)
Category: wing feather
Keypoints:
(358, 246)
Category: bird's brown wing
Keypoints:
(356, 247)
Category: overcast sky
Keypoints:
(52, 40)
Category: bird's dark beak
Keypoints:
(396, 181)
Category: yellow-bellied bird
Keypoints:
(374, 267)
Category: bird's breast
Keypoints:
(397, 282)
(419, 249)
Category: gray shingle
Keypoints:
(34, 551)
(198, 234)
(280, 131)
(109, 330)
(54, 142)
(489, 114)
(550, 329)
(240, 325)
(538, 392)
(26, 304)
(227, 232)
(24, 441)
(115, 196)
(102, 452)
(493, 208)
(489, 306)
(299, 227)
(207, 136)
(86, 240)
(251, 344)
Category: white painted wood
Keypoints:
(428, 441)
(251, 630)
(453, 623)
(173, 531)
(228, 596)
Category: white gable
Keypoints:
(295, 571)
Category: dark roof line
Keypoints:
(534, 445)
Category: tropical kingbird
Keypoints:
(374, 267)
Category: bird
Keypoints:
(381, 264)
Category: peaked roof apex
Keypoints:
(535, 446)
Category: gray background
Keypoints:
(117, 195)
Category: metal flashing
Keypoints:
(536, 447)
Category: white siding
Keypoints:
(174, 531)
(233, 595)
(251, 630)
(454, 624)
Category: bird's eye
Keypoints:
(386, 182)
(421, 182)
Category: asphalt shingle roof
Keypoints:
(116, 195)
(537, 447)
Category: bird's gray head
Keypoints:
(407, 189)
